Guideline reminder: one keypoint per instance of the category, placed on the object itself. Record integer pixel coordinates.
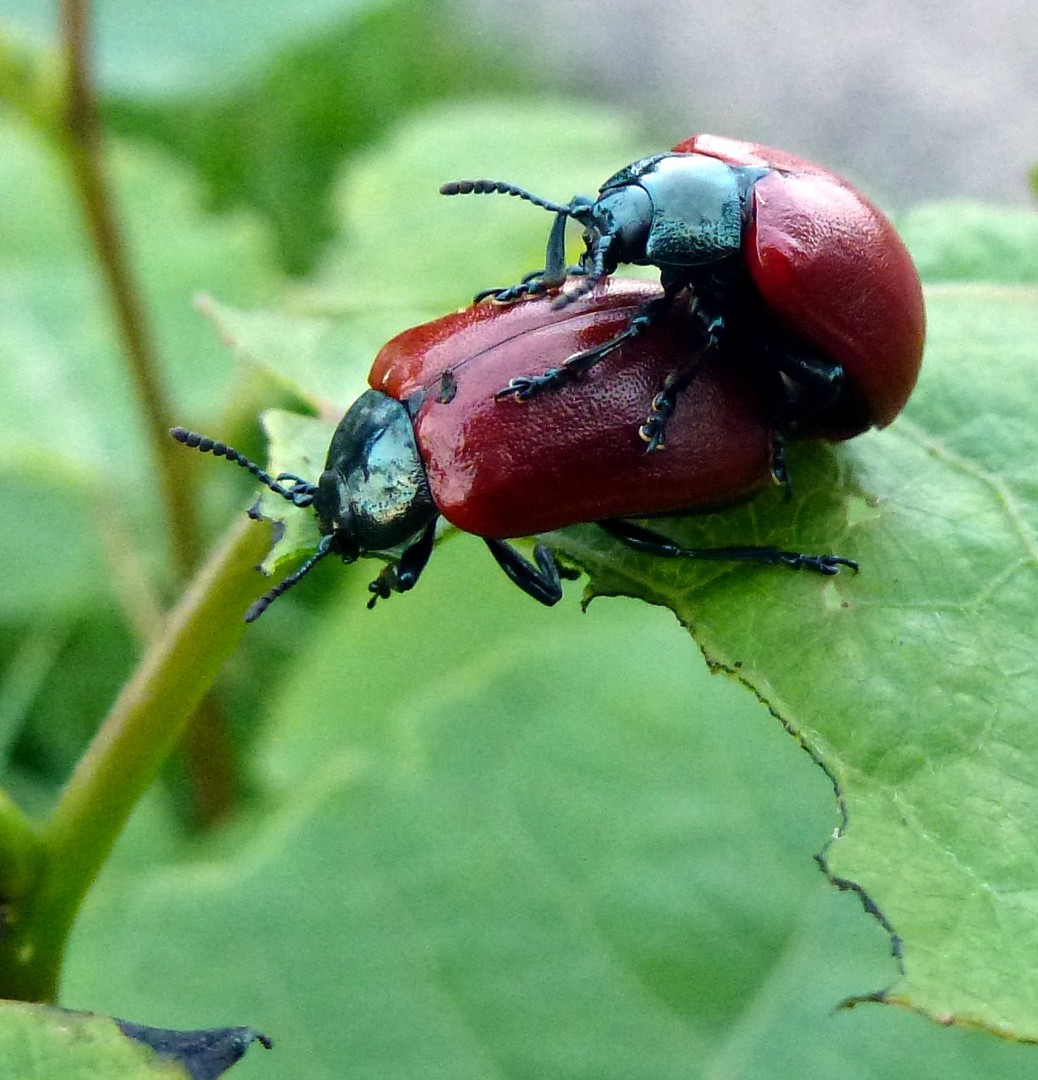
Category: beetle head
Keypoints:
(616, 228)
(371, 498)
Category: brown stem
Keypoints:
(212, 779)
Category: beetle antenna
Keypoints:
(301, 493)
(256, 609)
(499, 187)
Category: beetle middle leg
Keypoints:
(542, 581)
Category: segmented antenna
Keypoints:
(301, 493)
(499, 187)
(256, 609)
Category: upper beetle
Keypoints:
(429, 440)
(790, 270)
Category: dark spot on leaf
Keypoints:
(204, 1054)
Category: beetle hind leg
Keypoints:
(654, 543)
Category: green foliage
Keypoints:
(38, 1041)
(274, 139)
(77, 1046)
(972, 243)
(496, 838)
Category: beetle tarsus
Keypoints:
(652, 432)
(524, 387)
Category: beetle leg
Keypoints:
(543, 582)
(663, 404)
(403, 575)
(654, 543)
(551, 277)
(813, 385)
(779, 467)
(524, 387)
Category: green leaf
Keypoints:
(503, 840)
(272, 136)
(69, 426)
(39, 1043)
(914, 681)
(972, 242)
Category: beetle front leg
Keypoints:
(654, 543)
(524, 387)
(543, 582)
(402, 575)
(552, 276)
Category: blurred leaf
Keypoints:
(41, 1043)
(972, 242)
(79, 503)
(30, 81)
(158, 49)
(406, 246)
(274, 138)
(512, 841)
(68, 417)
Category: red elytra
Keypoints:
(500, 468)
(831, 265)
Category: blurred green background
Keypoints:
(471, 837)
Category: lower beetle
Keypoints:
(788, 266)
(429, 440)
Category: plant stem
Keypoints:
(83, 146)
(22, 853)
(206, 750)
(145, 723)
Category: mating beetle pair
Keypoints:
(804, 315)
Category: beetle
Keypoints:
(428, 441)
(788, 268)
